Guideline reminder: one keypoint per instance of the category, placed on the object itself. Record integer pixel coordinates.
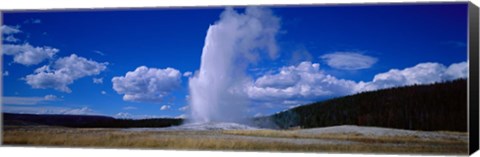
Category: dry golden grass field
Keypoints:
(239, 140)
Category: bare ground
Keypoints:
(329, 139)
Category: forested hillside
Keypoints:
(86, 121)
(439, 106)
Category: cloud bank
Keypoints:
(12, 100)
(50, 110)
(423, 73)
(126, 115)
(305, 82)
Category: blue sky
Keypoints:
(366, 47)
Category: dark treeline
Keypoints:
(439, 106)
(84, 121)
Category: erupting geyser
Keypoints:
(231, 45)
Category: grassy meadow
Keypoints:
(238, 140)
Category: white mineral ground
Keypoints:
(211, 130)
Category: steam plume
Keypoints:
(231, 45)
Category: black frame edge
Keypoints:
(473, 42)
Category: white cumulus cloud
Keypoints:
(456, 70)
(349, 60)
(165, 107)
(187, 74)
(11, 38)
(8, 33)
(147, 84)
(10, 29)
(51, 97)
(27, 54)
(98, 80)
(64, 72)
(182, 116)
(184, 108)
